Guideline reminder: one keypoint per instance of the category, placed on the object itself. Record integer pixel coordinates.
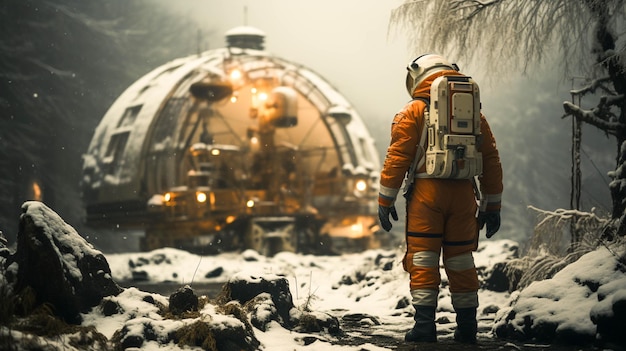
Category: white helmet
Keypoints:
(422, 67)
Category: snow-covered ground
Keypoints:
(372, 283)
(581, 304)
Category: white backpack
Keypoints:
(453, 122)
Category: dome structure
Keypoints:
(293, 141)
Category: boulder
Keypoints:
(497, 280)
(58, 265)
(609, 315)
(268, 298)
(245, 288)
(183, 300)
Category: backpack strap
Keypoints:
(420, 155)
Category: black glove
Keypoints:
(491, 219)
(383, 216)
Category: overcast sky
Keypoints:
(345, 41)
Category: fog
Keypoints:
(351, 44)
(347, 42)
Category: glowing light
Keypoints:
(254, 140)
(37, 192)
(215, 152)
(235, 74)
(212, 198)
(167, 197)
(263, 96)
(201, 197)
(357, 228)
(253, 90)
(250, 203)
(230, 219)
(361, 185)
(233, 99)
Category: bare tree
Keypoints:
(589, 37)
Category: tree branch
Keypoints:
(592, 86)
(591, 117)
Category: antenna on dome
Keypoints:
(198, 41)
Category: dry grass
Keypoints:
(561, 237)
(198, 333)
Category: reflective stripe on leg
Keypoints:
(464, 300)
(424, 270)
(426, 259)
(460, 263)
(425, 297)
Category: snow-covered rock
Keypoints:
(563, 309)
(58, 265)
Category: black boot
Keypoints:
(424, 329)
(467, 326)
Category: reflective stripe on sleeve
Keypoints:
(491, 202)
(388, 192)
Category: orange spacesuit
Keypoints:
(441, 213)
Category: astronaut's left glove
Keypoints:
(383, 215)
(489, 213)
(491, 219)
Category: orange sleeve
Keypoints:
(491, 179)
(401, 150)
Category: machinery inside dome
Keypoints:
(232, 149)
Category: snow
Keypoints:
(356, 284)
(370, 283)
(568, 299)
(54, 226)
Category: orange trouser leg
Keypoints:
(441, 216)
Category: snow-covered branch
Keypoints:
(564, 214)
(592, 86)
(605, 122)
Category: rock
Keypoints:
(491, 309)
(609, 315)
(4, 250)
(60, 266)
(214, 273)
(183, 300)
(497, 280)
(251, 255)
(140, 276)
(315, 322)
(385, 262)
(360, 317)
(402, 303)
(268, 298)
(245, 288)
(109, 307)
(262, 311)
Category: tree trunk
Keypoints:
(605, 51)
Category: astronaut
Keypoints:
(441, 214)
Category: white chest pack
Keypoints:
(453, 122)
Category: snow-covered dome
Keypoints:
(142, 146)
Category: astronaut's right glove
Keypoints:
(383, 216)
(491, 219)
